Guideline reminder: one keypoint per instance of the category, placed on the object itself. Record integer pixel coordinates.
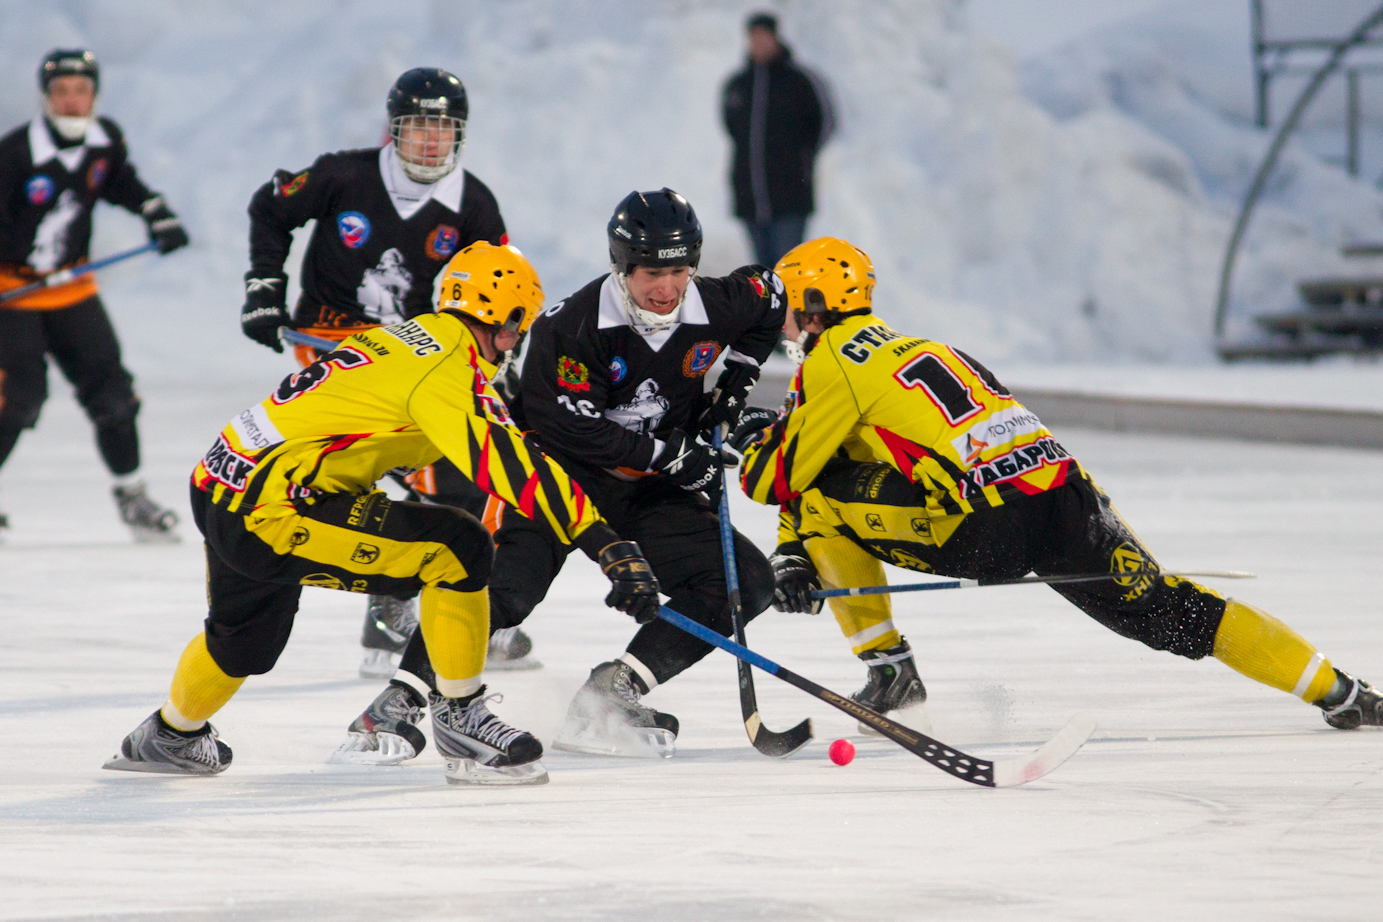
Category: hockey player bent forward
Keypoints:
(905, 450)
(285, 499)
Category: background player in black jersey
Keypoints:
(52, 172)
(388, 220)
(613, 385)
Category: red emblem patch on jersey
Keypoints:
(294, 184)
(441, 243)
(96, 173)
(573, 375)
(758, 284)
(699, 358)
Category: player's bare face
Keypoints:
(426, 140)
(658, 291)
(71, 96)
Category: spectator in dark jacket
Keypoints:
(778, 116)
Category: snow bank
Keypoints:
(1087, 227)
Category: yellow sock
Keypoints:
(1261, 647)
(865, 620)
(456, 628)
(200, 688)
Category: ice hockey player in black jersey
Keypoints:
(388, 219)
(613, 384)
(53, 171)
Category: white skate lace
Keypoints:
(503, 638)
(137, 509)
(201, 749)
(400, 707)
(478, 723)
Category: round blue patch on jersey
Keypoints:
(618, 369)
(354, 228)
(39, 190)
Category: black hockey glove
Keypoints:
(751, 427)
(633, 587)
(164, 227)
(265, 308)
(692, 465)
(794, 579)
(728, 398)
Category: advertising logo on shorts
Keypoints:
(39, 190)
(618, 369)
(441, 243)
(354, 228)
(699, 358)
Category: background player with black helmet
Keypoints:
(52, 172)
(388, 220)
(613, 385)
(905, 450)
(285, 498)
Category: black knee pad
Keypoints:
(114, 406)
(470, 541)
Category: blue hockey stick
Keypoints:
(766, 741)
(63, 276)
(293, 337)
(1002, 773)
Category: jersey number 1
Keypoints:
(950, 394)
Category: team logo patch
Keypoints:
(1129, 559)
(294, 184)
(699, 358)
(39, 190)
(874, 521)
(758, 284)
(618, 369)
(96, 174)
(365, 553)
(441, 243)
(922, 527)
(354, 228)
(322, 581)
(300, 537)
(573, 375)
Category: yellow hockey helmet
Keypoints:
(496, 285)
(827, 276)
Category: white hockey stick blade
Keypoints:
(1013, 772)
(466, 771)
(373, 749)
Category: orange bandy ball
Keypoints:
(842, 752)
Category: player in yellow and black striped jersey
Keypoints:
(901, 449)
(286, 499)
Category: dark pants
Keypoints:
(82, 341)
(253, 587)
(676, 531)
(775, 238)
(1070, 530)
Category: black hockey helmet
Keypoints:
(428, 91)
(68, 62)
(654, 229)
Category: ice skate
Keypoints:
(149, 522)
(389, 625)
(479, 748)
(511, 650)
(893, 685)
(1362, 705)
(154, 746)
(386, 733)
(605, 718)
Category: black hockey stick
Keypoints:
(63, 276)
(1002, 773)
(1023, 581)
(766, 741)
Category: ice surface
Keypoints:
(1202, 794)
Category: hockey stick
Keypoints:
(293, 337)
(1023, 581)
(766, 741)
(63, 276)
(1003, 773)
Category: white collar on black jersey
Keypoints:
(408, 196)
(42, 147)
(612, 313)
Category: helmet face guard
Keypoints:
(428, 108)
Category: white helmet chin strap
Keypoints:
(797, 348)
(645, 322)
